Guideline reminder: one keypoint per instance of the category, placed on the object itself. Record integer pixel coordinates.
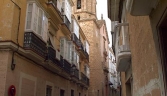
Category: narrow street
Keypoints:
(83, 47)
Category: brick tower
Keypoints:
(85, 13)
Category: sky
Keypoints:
(101, 8)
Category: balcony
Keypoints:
(84, 79)
(51, 53)
(74, 73)
(54, 9)
(66, 21)
(82, 51)
(67, 66)
(123, 58)
(75, 39)
(87, 55)
(34, 43)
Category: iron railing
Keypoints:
(67, 66)
(34, 43)
(75, 72)
(87, 55)
(66, 21)
(75, 39)
(84, 79)
(51, 53)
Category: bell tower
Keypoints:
(84, 9)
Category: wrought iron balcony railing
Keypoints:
(87, 55)
(66, 21)
(82, 48)
(67, 66)
(75, 39)
(84, 79)
(75, 72)
(51, 53)
(34, 43)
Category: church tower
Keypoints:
(85, 12)
(85, 9)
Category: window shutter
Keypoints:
(77, 61)
(59, 5)
(76, 29)
(63, 47)
(73, 54)
(29, 15)
(45, 30)
(40, 21)
(69, 50)
(88, 71)
(35, 18)
(67, 9)
(87, 47)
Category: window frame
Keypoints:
(79, 3)
(34, 20)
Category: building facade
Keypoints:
(96, 33)
(43, 50)
(139, 40)
(113, 75)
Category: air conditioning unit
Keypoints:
(57, 55)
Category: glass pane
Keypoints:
(29, 16)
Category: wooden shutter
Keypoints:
(69, 49)
(87, 47)
(59, 5)
(76, 28)
(77, 60)
(45, 30)
(29, 16)
(63, 47)
(73, 54)
(88, 71)
(40, 21)
(67, 9)
(35, 18)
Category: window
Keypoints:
(67, 50)
(63, 47)
(48, 90)
(78, 4)
(62, 92)
(72, 92)
(67, 9)
(78, 17)
(87, 46)
(76, 28)
(86, 69)
(79, 94)
(36, 20)
(77, 61)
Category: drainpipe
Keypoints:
(18, 29)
